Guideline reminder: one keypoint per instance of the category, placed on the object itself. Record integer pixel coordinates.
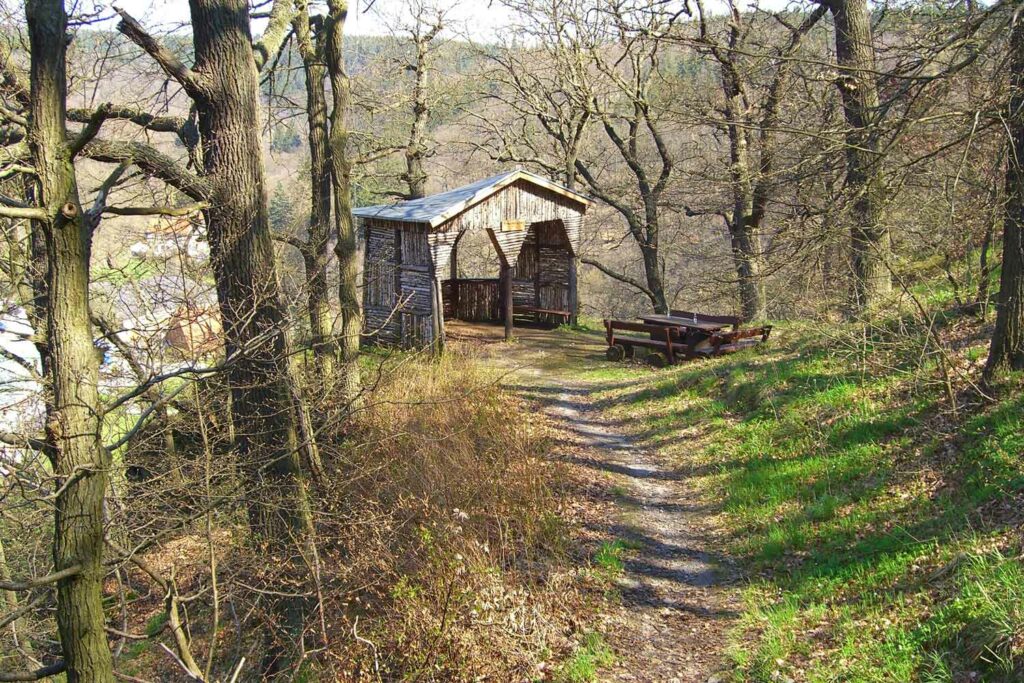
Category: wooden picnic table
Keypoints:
(688, 323)
(695, 333)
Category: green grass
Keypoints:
(609, 555)
(134, 270)
(884, 532)
(590, 656)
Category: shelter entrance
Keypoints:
(542, 279)
(413, 280)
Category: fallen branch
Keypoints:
(37, 675)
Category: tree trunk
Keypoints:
(652, 271)
(859, 92)
(242, 255)
(315, 255)
(1007, 350)
(346, 249)
(80, 462)
(414, 151)
(744, 230)
(981, 297)
(746, 252)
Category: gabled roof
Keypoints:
(438, 208)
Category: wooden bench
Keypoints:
(565, 316)
(705, 318)
(662, 339)
(731, 342)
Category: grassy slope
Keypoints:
(880, 530)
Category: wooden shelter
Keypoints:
(410, 280)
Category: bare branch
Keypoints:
(159, 124)
(20, 441)
(10, 79)
(621, 277)
(91, 130)
(30, 212)
(151, 162)
(100, 203)
(155, 210)
(29, 584)
(269, 44)
(167, 60)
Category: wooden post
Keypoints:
(506, 288)
(437, 303)
(454, 259)
(574, 301)
(537, 270)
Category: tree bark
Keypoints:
(79, 460)
(744, 229)
(253, 317)
(315, 252)
(1007, 349)
(858, 89)
(746, 251)
(653, 272)
(224, 88)
(346, 248)
(415, 151)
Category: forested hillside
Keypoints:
(646, 341)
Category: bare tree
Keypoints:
(72, 441)
(427, 22)
(607, 57)
(315, 249)
(858, 88)
(750, 116)
(1007, 349)
(223, 87)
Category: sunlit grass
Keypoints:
(855, 513)
(592, 655)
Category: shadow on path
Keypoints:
(677, 594)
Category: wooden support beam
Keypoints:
(574, 301)
(454, 259)
(437, 303)
(454, 262)
(506, 300)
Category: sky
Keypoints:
(479, 19)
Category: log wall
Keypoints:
(397, 295)
(541, 278)
(472, 300)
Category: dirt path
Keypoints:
(677, 596)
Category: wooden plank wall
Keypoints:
(380, 279)
(477, 300)
(541, 277)
(524, 277)
(397, 296)
(441, 245)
